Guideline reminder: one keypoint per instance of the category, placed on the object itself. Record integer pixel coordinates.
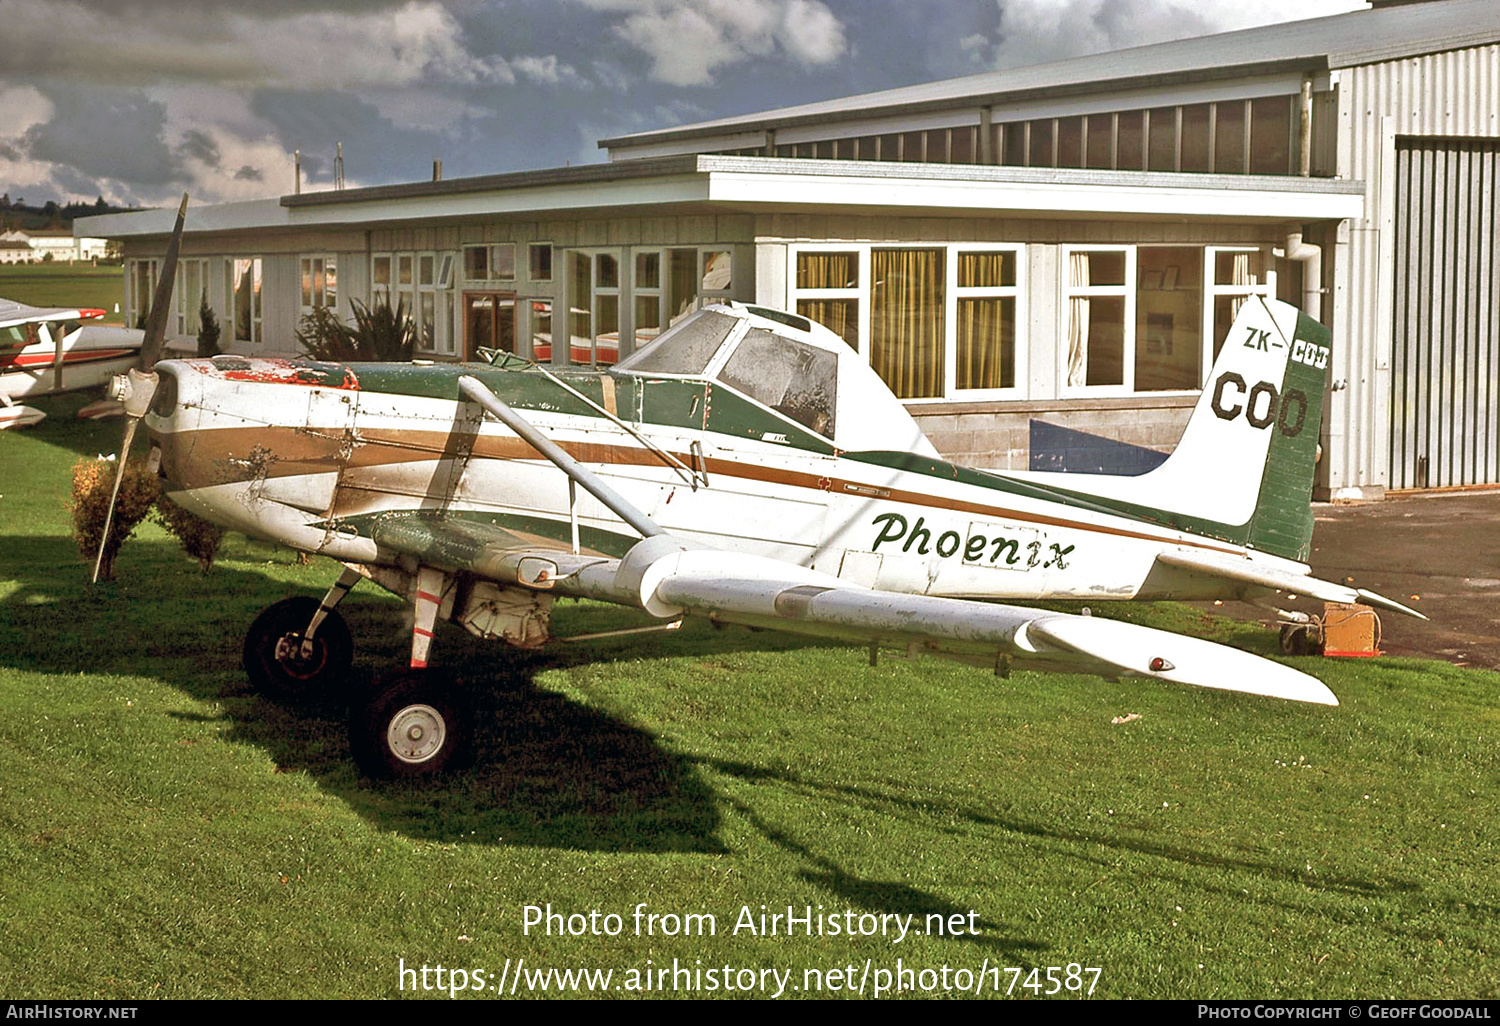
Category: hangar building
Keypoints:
(1061, 246)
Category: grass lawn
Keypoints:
(167, 833)
(73, 285)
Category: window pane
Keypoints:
(607, 342)
(716, 277)
(1244, 270)
(608, 276)
(307, 283)
(580, 310)
(1229, 138)
(1106, 340)
(426, 269)
(1195, 136)
(648, 270)
(541, 263)
(682, 282)
(476, 263)
(647, 319)
(403, 270)
(331, 282)
(427, 321)
(1130, 148)
(503, 262)
(906, 320)
(986, 343)
(1169, 319)
(541, 331)
(840, 316)
(912, 145)
(827, 270)
(986, 270)
(1105, 267)
(1270, 131)
(382, 271)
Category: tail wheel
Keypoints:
(416, 726)
(274, 656)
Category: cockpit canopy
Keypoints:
(790, 365)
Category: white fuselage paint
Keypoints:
(874, 526)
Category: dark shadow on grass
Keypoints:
(549, 770)
(1051, 840)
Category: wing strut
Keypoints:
(472, 388)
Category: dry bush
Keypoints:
(92, 481)
(200, 539)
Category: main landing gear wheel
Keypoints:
(273, 651)
(416, 726)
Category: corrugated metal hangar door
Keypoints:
(1445, 360)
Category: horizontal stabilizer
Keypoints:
(1142, 651)
(1250, 572)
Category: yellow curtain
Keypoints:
(906, 320)
(986, 343)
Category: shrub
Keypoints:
(208, 329)
(92, 481)
(200, 539)
(378, 334)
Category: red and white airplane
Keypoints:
(46, 350)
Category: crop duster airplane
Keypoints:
(746, 466)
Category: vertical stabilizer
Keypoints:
(1243, 470)
(1248, 455)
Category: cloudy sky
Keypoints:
(138, 100)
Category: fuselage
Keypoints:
(314, 456)
(43, 356)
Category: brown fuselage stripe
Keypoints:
(305, 451)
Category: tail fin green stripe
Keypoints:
(1283, 520)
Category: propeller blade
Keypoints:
(142, 377)
(156, 321)
(114, 494)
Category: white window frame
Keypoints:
(952, 293)
(1068, 291)
(312, 296)
(492, 250)
(257, 300)
(185, 301)
(444, 264)
(151, 269)
(1213, 291)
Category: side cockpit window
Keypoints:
(796, 380)
(685, 348)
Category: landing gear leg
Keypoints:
(298, 646)
(417, 725)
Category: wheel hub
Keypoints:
(416, 733)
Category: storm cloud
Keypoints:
(212, 96)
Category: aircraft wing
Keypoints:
(1247, 571)
(669, 579)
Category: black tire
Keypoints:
(415, 726)
(273, 651)
(1295, 640)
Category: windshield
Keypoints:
(686, 347)
(798, 381)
